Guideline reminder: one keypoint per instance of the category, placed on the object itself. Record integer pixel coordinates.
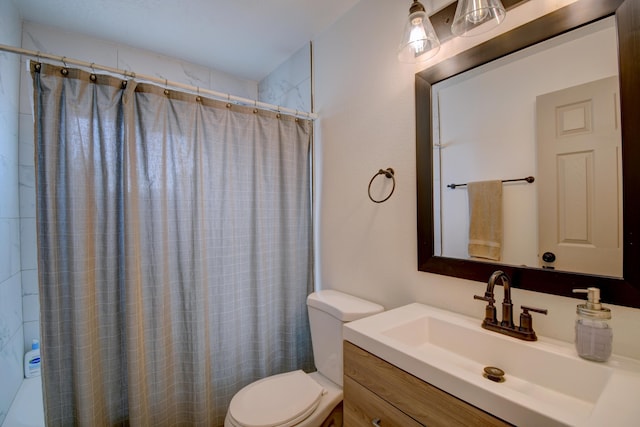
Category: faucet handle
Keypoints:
(526, 310)
(490, 309)
(486, 298)
(526, 321)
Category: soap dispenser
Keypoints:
(593, 335)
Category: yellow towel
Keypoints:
(485, 219)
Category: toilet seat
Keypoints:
(282, 400)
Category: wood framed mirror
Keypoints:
(623, 291)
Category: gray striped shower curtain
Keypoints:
(174, 249)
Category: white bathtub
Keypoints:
(27, 409)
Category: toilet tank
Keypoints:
(328, 311)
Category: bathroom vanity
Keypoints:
(377, 390)
(421, 365)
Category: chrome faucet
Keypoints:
(505, 326)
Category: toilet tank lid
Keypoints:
(342, 306)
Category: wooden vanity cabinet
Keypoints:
(378, 393)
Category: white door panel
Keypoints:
(580, 178)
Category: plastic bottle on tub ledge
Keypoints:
(32, 360)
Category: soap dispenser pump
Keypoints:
(594, 337)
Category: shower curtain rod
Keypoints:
(195, 89)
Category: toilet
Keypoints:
(297, 398)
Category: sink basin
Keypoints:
(528, 368)
(546, 383)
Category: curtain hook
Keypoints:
(38, 65)
(93, 76)
(198, 97)
(64, 70)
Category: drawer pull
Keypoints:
(376, 422)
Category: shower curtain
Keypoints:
(174, 250)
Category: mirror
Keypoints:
(624, 290)
(561, 128)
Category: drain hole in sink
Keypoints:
(494, 374)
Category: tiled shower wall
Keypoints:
(11, 341)
(289, 85)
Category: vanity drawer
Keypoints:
(362, 408)
(419, 400)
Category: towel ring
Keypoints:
(389, 173)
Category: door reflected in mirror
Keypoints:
(537, 112)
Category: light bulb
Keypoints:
(479, 12)
(475, 17)
(418, 37)
(419, 40)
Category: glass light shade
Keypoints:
(475, 17)
(419, 40)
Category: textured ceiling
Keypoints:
(245, 38)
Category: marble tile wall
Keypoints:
(289, 85)
(11, 318)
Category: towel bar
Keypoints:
(529, 179)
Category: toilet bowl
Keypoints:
(284, 400)
(296, 398)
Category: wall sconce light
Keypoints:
(423, 34)
(475, 17)
(419, 40)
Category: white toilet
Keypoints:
(296, 398)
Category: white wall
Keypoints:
(365, 100)
(10, 287)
